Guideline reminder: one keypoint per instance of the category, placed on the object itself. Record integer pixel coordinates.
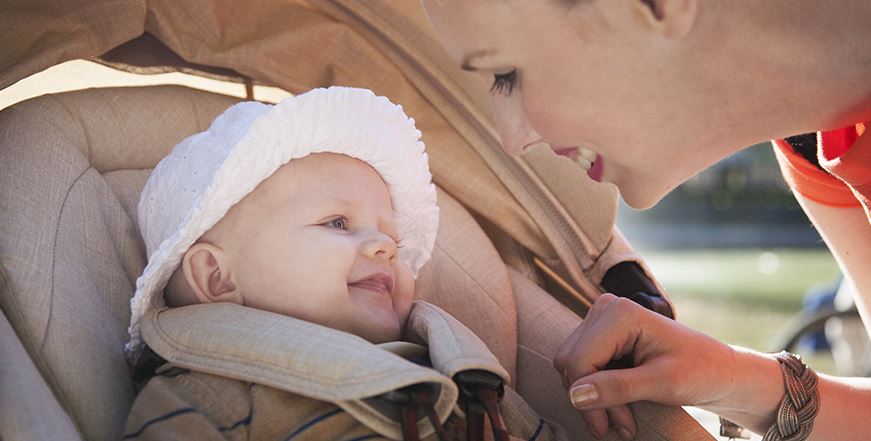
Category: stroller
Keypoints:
(524, 245)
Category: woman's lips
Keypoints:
(569, 152)
(595, 171)
(587, 159)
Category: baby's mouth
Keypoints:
(381, 283)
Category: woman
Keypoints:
(646, 93)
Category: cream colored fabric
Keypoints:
(302, 358)
(299, 358)
(543, 324)
(28, 410)
(69, 251)
(38, 35)
(467, 279)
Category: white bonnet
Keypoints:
(192, 188)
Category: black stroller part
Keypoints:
(146, 366)
(629, 280)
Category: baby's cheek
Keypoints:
(403, 293)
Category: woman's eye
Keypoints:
(340, 223)
(504, 83)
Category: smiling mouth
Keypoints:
(585, 158)
(381, 283)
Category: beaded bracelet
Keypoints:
(797, 410)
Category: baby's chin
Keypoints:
(383, 332)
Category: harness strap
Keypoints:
(411, 401)
(490, 399)
(423, 397)
(480, 392)
(409, 422)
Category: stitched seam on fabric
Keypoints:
(149, 423)
(74, 116)
(528, 350)
(243, 422)
(37, 356)
(647, 424)
(456, 342)
(533, 351)
(312, 422)
(467, 357)
(537, 430)
(54, 256)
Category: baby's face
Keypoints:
(317, 241)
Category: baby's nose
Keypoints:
(379, 245)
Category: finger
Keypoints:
(610, 388)
(565, 354)
(612, 336)
(597, 422)
(622, 421)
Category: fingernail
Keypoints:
(583, 394)
(624, 433)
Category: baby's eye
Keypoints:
(396, 241)
(340, 223)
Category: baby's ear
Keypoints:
(207, 271)
(673, 18)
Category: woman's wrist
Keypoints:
(752, 392)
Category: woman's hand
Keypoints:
(673, 364)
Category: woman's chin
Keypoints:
(640, 198)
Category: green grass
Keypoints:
(743, 297)
(777, 279)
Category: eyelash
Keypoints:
(343, 219)
(503, 82)
(346, 221)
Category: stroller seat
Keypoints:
(71, 169)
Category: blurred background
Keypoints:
(743, 263)
(734, 249)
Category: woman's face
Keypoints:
(606, 76)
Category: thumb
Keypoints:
(610, 388)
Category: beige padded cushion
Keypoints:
(69, 251)
(71, 169)
(466, 278)
(39, 417)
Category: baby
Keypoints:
(279, 238)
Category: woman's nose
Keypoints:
(514, 129)
(379, 245)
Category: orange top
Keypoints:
(844, 153)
